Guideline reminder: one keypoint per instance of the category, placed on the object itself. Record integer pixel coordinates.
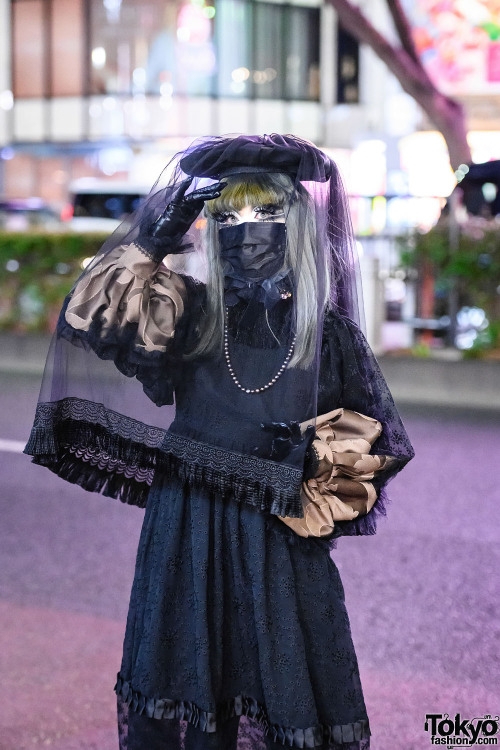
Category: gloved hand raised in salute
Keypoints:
(164, 235)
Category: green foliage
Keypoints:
(472, 267)
(486, 340)
(422, 351)
(37, 270)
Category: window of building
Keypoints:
(347, 68)
(29, 44)
(47, 48)
(151, 47)
(267, 50)
(231, 48)
(302, 53)
(67, 47)
(269, 71)
(233, 33)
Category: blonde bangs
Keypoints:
(251, 190)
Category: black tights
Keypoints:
(138, 732)
(143, 733)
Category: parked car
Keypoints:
(100, 205)
(20, 214)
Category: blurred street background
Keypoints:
(95, 97)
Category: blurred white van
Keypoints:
(100, 205)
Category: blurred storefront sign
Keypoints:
(459, 43)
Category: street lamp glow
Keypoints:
(237, 87)
(489, 191)
(166, 89)
(139, 77)
(183, 34)
(6, 100)
(98, 57)
(240, 74)
(109, 103)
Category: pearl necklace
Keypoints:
(231, 370)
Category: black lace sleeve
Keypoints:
(364, 389)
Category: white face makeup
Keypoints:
(267, 212)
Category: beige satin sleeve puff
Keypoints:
(128, 287)
(341, 489)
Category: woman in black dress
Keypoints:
(188, 356)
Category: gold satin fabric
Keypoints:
(341, 488)
(128, 287)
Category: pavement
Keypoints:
(412, 380)
(471, 384)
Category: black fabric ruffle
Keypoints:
(269, 485)
(72, 438)
(241, 705)
(89, 455)
(94, 479)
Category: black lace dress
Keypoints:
(231, 613)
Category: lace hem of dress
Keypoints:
(106, 452)
(241, 705)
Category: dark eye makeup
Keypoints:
(222, 218)
(270, 211)
(267, 212)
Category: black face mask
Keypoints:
(253, 254)
(253, 250)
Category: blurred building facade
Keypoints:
(112, 87)
(90, 85)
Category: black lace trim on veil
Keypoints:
(320, 735)
(96, 448)
(103, 451)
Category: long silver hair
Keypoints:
(301, 256)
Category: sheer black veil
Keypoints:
(108, 415)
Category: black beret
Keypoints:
(287, 154)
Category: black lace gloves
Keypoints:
(165, 234)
